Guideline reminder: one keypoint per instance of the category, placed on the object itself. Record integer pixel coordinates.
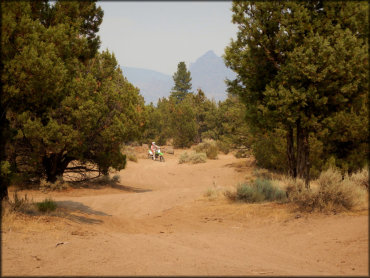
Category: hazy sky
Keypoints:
(158, 35)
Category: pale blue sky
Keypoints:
(158, 35)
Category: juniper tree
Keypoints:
(298, 64)
(64, 101)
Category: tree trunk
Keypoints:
(303, 153)
(300, 163)
(4, 181)
(292, 171)
(55, 165)
(306, 147)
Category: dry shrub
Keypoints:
(209, 147)
(184, 158)
(23, 205)
(58, 185)
(361, 178)
(193, 158)
(332, 194)
(130, 153)
(198, 158)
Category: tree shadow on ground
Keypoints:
(115, 185)
(73, 210)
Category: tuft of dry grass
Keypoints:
(21, 204)
(212, 193)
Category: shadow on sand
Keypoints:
(68, 209)
(111, 184)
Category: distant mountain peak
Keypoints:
(210, 53)
(208, 72)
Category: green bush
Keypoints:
(46, 205)
(260, 190)
(209, 147)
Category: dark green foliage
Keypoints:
(224, 146)
(183, 123)
(226, 123)
(269, 149)
(64, 101)
(299, 65)
(195, 119)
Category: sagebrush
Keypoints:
(209, 147)
(334, 193)
(193, 158)
(258, 191)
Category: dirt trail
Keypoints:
(158, 222)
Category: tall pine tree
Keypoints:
(182, 80)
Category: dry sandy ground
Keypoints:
(159, 222)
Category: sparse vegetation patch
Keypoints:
(258, 191)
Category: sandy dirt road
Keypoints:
(159, 222)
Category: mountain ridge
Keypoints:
(208, 73)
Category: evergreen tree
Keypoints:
(298, 64)
(64, 101)
(182, 122)
(202, 106)
(182, 80)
